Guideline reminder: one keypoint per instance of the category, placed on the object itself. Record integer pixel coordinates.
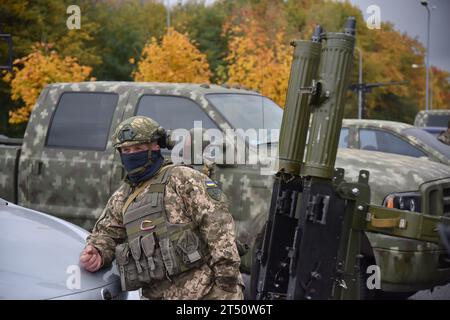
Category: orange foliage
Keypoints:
(176, 59)
(440, 88)
(33, 72)
(258, 61)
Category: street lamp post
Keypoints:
(416, 66)
(168, 15)
(425, 4)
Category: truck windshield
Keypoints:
(435, 120)
(429, 140)
(247, 111)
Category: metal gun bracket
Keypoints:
(318, 208)
(317, 93)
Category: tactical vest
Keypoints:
(155, 248)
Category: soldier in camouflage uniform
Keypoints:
(168, 226)
(444, 136)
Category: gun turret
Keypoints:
(297, 113)
(307, 213)
(327, 99)
(311, 247)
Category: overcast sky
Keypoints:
(411, 17)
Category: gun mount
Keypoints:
(311, 247)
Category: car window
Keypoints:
(368, 140)
(377, 140)
(435, 120)
(82, 120)
(249, 111)
(173, 112)
(343, 138)
(430, 140)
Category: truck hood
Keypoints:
(389, 172)
(40, 255)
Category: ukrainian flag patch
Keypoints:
(213, 190)
(210, 184)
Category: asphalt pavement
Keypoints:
(438, 293)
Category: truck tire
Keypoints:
(376, 294)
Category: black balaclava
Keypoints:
(142, 165)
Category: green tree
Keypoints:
(30, 22)
(37, 21)
(204, 25)
(126, 26)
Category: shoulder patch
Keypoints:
(213, 190)
(210, 184)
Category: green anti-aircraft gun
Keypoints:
(312, 243)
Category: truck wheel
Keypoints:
(376, 294)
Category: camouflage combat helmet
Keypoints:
(138, 129)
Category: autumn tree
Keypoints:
(45, 21)
(258, 60)
(388, 55)
(440, 88)
(33, 72)
(204, 24)
(174, 59)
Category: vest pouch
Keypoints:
(127, 268)
(140, 261)
(153, 255)
(188, 247)
(169, 257)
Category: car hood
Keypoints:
(389, 172)
(40, 255)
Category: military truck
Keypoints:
(392, 137)
(66, 165)
(432, 118)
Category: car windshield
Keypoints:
(247, 111)
(437, 120)
(429, 140)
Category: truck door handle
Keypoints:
(36, 167)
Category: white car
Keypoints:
(40, 259)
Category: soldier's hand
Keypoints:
(91, 259)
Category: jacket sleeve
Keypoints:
(109, 231)
(206, 205)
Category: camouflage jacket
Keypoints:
(186, 199)
(444, 137)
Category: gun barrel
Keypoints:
(297, 110)
(335, 67)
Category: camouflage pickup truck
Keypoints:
(66, 165)
(432, 118)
